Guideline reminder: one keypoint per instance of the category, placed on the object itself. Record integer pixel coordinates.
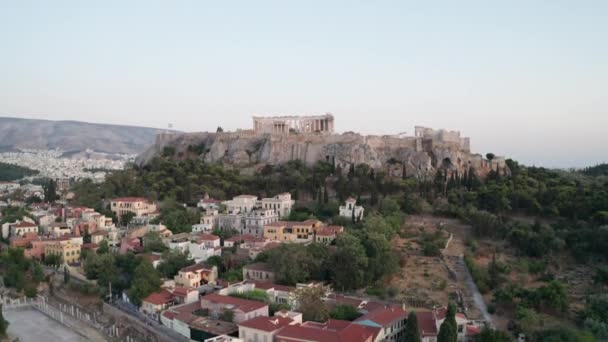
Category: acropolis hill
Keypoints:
(276, 140)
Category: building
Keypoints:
(262, 328)
(23, 227)
(256, 219)
(185, 295)
(68, 252)
(281, 204)
(239, 239)
(328, 234)
(390, 319)
(292, 231)
(260, 271)
(196, 275)
(429, 323)
(157, 302)
(350, 209)
(186, 320)
(332, 330)
(294, 124)
(209, 204)
(138, 206)
(241, 204)
(209, 222)
(204, 246)
(243, 309)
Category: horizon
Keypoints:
(523, 80)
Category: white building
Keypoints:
(281, 204)
(241, 204)
(350, 207)
(204, 247)
(20, 228)
(209, 222)
(257, 219)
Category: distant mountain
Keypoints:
(74, 136)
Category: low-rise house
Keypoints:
(138, 206)
(241, 204)
(429, 323)
(240, 239)
(260, 271)
(350, 209)
(328, 234)
(256, 219)
(209, 204)
(196, 275)
(242, 309)
(281, 204)
(208, 223)
(187, 320)
(68, 252)
(157, 302)
(332, 330)
(99, 236)
(23, 227)
(391, 319)
(185, 295)
(292, 231)
(262, 328)
(23, 241)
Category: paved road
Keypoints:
(30, 325)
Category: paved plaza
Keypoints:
(30, 325)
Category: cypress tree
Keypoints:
(450, 318)
(3, 324)
(66, 275)
(325, 195)
(412, 334)
(446, 333)
(353, 216)
(403, 172)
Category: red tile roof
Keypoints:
(244, 305)
(23, 224)
(207, 237)
(181, 291)
(332, 331)
(473, 330)
(196, 268)
(267, 324)
(426, 323)
(264, 285)
(330, 230)
(160, 298)
(385, 316)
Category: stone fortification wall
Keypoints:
(422, 154)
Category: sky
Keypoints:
(524, 79)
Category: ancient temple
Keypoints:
(294, 124)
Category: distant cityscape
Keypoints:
(57, 164)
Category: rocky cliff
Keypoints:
(422, 155)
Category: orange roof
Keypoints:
(207, 237)
(384, 316)
(332, 331)
(267, 324)
(23, 224)
(160, 298)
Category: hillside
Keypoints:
(74, 136)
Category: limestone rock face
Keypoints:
(248, 150)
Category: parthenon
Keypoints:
(297, 124)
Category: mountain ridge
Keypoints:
(73, 135)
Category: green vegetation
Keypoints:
(10, 172)
(257, 295)
(18, 271)
(412, 333)
(344, 312)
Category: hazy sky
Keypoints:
(526, 79)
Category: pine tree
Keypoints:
(412, 334)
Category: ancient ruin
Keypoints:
(294, 124)
(277, 140)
